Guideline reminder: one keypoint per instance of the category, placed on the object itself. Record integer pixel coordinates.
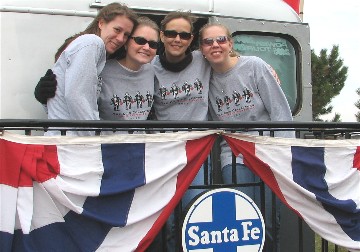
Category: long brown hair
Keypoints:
(107, 13)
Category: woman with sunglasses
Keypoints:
(181, 90)
(242, 88)
(182, 86)
(128, 81)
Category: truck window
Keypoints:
(278, 52)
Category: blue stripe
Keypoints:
(77, 233)
(124, 171)
(124, 167)
(309, 172)
(6, 241)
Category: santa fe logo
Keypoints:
(223, 220)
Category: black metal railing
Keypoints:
(296, 237)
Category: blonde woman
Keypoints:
(244, 89)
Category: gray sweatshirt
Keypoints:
(126, 94)
(182, 95)
(249, 92)
(78, 86)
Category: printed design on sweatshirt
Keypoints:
(186, 88)
(175, 90)
(198, 86)
(237, 99)
(128, 101)
(99, 86)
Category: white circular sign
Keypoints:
(223, 220)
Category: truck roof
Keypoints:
(250, 9)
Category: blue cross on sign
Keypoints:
(223, 220)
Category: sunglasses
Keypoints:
(173, 34)
(210, 41)
(142, 41)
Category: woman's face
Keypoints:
(215, 44)
(175, 46)
(115, 33)
(140, 48)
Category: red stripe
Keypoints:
(11, 155)
(295, 4)
(257, 166)
(21, 164)
(356, 163)
(196, 151)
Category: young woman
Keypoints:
(128, 82)
(242, 88)
(182, 86)
(181, 92)
(81, 61)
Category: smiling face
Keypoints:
(175, 48)
(115, 33)
(136, 54)
(219, 51)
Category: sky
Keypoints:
(334, 22)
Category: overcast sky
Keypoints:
(337, 23)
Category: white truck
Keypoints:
(32, 31)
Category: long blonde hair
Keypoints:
(145, 21)
(107, 13)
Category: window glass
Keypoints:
(277, 52)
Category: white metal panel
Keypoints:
(28, 44)
(77, 5)
(257, 9)
(254, 9)
(169, 5)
